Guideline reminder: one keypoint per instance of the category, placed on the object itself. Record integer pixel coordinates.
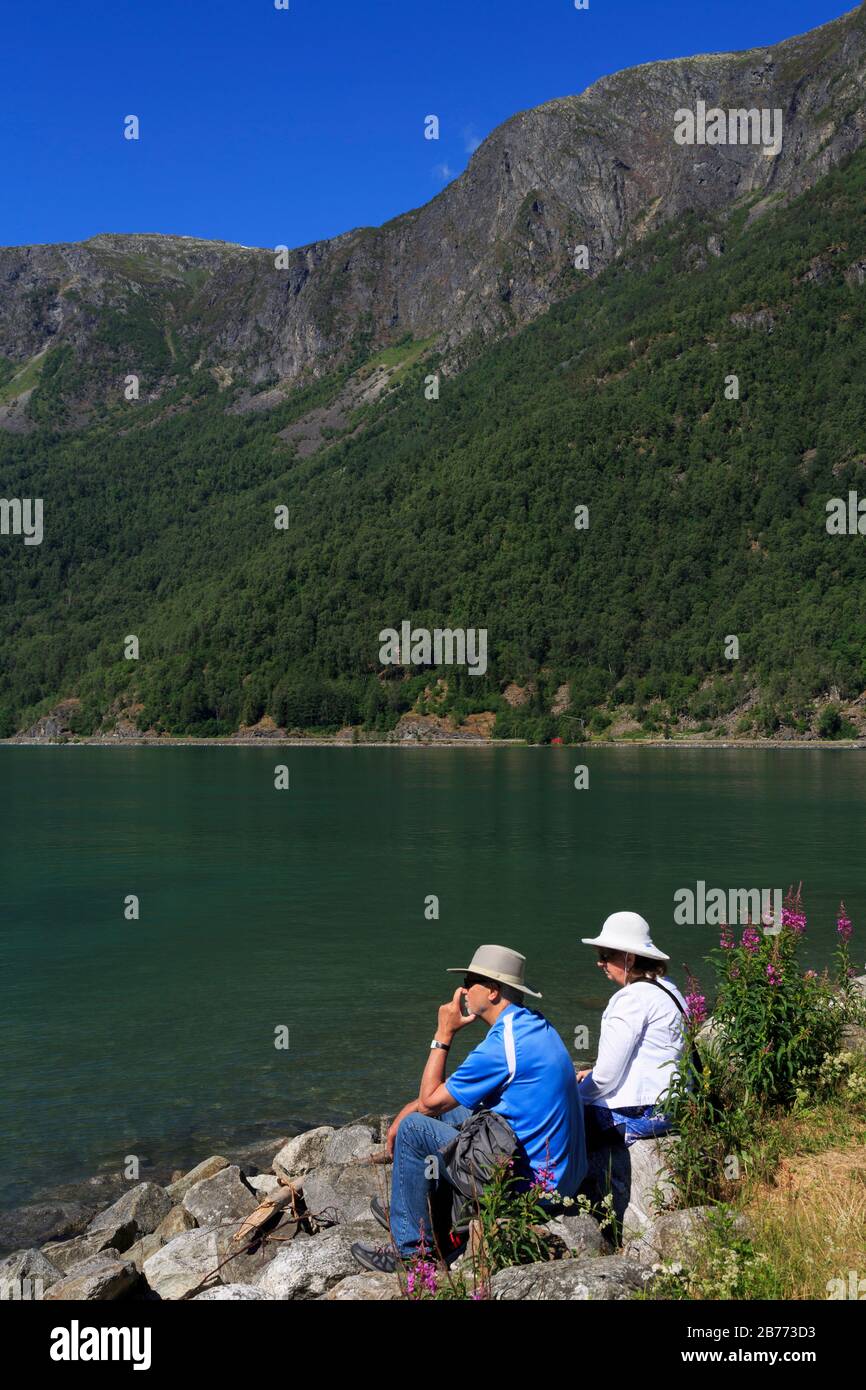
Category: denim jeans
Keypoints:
(633, 1122)
(419, 1138)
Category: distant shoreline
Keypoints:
(469, 742)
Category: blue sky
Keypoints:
(272, 127)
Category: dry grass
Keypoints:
(810, 1219)
(805, 1206)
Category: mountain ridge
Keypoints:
(707, 515)
(488, 254)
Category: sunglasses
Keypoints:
(605, 956)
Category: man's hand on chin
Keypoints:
(451, 1020)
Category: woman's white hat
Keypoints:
(626, 931)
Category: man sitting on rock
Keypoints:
(521, 1070)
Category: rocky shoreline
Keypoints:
(279, 1221)
(284, 1230)
(411, 731)
(467, 741)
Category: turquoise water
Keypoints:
(305, 909)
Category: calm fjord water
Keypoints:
(305, 908)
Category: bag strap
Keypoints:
(695, 1054)
(644, 981)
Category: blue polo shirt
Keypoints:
(523, 1071)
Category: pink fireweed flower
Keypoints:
(735, 973)
(421, 1279)
(811, 975)
(796, 921)
(843, 924)
(726, 940)
(545, 1178)
(774, 975)
(793, 915)
(696, 1008)
(751, 939)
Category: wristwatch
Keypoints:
(444, 1046)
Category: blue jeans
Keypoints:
(419, 1138)
(630, 1123)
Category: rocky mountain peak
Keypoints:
(488, 254)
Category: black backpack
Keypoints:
(483, 1141)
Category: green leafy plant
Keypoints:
(777, 1021)
(509, 1228)
(769, 1047)
(721, 1264)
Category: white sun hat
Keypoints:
(626, 931)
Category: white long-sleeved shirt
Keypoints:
(641, 1041)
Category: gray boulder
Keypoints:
(67, 1253)
(245, 1266)
(182, 1264)
(306, 1269)
(380, 1124)
(638, 1178)
(39, 1222)
(710, 1036)
(652, 1188)
(853, 1039)
(175, 1223)
(221, 1199)
(579, 1232)
(350, 1144)
(264, 1184)
(232, 1293)
(303, 1152)
(365, 1288)
(206, 1169)
(95, 1192)
(142, 1250)
(259, 1156)
(673, 1236)
(581, 1280)
(26, 1275)
(342, 1192)
(103, 1277)
(138, 1212)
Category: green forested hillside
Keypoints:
(706, 515)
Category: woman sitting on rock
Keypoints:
(641, 1040)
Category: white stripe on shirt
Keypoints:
(508, 1040)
